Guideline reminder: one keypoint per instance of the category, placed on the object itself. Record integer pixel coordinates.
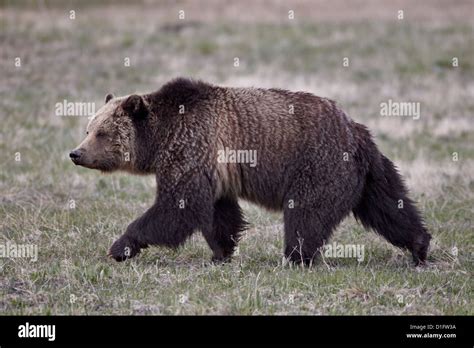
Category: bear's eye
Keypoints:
(100, 134)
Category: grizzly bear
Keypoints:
(310, 160)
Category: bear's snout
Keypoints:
(75, 156)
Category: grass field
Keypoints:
(73, 214)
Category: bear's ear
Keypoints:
(109, 97)
(135, 106)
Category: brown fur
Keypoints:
(315, 164)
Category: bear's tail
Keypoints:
(385, 206)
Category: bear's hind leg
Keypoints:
(228, 224)
(308, 225)
(304, 235)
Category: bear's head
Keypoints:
(111, 135)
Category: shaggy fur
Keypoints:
(313, 163)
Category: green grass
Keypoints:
(83, 60)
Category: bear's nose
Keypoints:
(75, 154)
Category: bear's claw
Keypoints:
(123, 249)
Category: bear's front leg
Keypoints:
(179, 210)
(228, 225)
(126, 247)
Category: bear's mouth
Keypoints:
(76, 161)
(81, 162)
(104, 165)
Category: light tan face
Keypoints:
(106, 146)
